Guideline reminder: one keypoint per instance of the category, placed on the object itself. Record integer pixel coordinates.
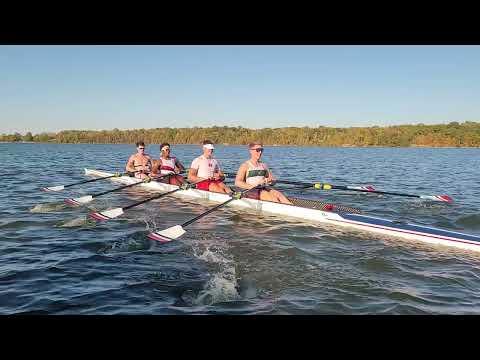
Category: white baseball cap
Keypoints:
(209, 146)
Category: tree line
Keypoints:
(454, 134)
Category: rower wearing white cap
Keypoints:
(208, 168)
(168, 165)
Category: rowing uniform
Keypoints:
(256, 174)
(145, 162)
(206, 168)
(167, 166)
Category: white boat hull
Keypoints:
(371, 224)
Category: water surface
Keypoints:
(55, 262)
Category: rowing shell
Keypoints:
(342, 217)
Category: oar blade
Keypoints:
(442, 198)
(53, 188)
(79, 201)
(365, 188)
(167, 235)
(107, 214)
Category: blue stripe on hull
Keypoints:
(407, 227)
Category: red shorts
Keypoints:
(204, 185)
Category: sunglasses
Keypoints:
(141, 148)
(258, 149)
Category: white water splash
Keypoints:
(223, 285)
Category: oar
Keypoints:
(111, 214)
(322, 186)
(176, 231)
(307, 185)
(87, 198)
(61, 187)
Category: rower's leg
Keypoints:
(267, 196)
(221, 188)
(176, 180)
(216, 188)
(225, 188)
(279, 197)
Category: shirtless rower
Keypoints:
(254, 172)
(206, 167)
(168, 165)
(139, 165)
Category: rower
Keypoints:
(139, 165)
(208, 168)
(168, 165)
(254, 172)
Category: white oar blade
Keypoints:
(107, 214)
(79, 201)
(366, 188)
(168, 234)
(444, 198)
(54, 188)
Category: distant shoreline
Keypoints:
(267, 145)
(452, 135)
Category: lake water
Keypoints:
(53, 261)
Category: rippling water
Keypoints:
(53, 261)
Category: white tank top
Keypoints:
(256, 174)
(205, 167)
(167, 166)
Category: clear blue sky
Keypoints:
(51, 88)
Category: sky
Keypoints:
(53, 88)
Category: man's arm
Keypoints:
(129, 167)
(240, 178)
(179, 165)
(192, 174)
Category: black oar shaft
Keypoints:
(127, 186)
(92, 180)
(150, 199)
(342, 187)
(377, 192)
(207, 212)
(160, 195)
(242, 193)
(117, 189)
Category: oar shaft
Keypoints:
(207, 212)
(117, 189)
(161, 195)
(91, 180)
(242, 193)
(322, 186)
(374, 191)
(151, 198)
(130, 185)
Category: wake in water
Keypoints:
(133, 242)
(84, 221)
(469, 222)
(48, 207)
